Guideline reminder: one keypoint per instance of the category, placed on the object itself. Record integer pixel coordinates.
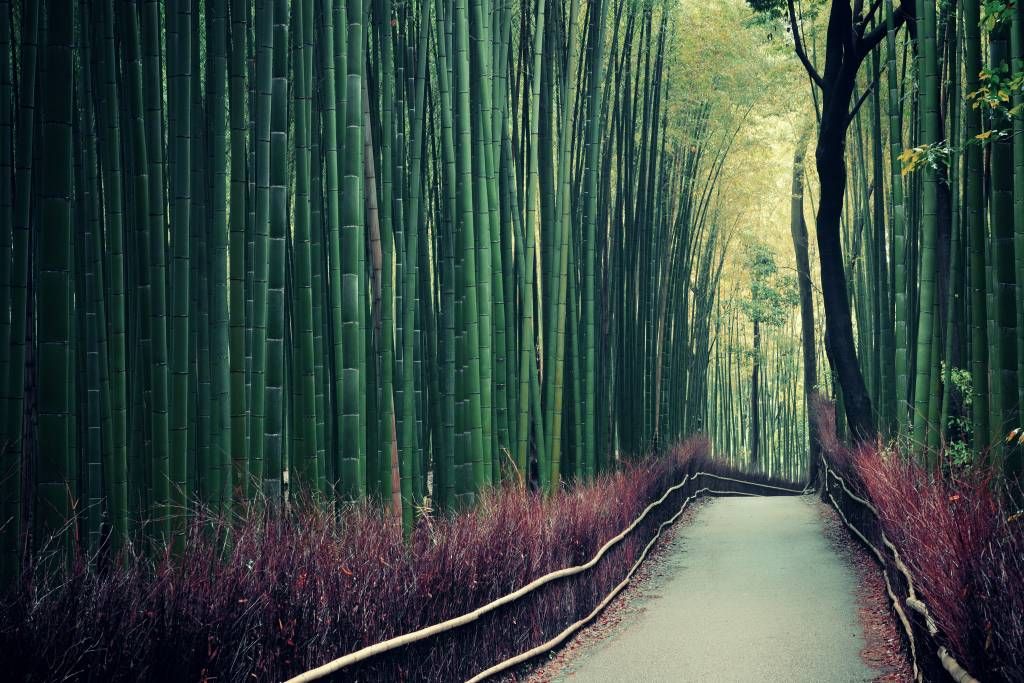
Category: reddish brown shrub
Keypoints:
(270, 598)
(962, 545)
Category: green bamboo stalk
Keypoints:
(6, 201)
(317, 241)
(527, 355)
(1017, 66)
(23, 194)
(304, 466)
(180, 176)
(253, 466)
(472, 450)
(930, 135)
(330, 18)
(590, 192)
(885, 324)
(11, 484)
(93, 421)
(447, 498)
(555, 358)
(353, 483)
(413, 229)
(1004, 315)
(484, 191)
(140, 467)
(159, 392)
(382, 460)
(55, 488)
(974, 216)
(225, 385)
(274, 420)
(234, 467)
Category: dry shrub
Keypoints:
(265, 598)
(955, 533)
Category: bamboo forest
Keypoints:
(447, 340)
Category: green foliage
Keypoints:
(776, 9)
(995, 95)
(772, 16)
(287, 223)
(933, 155)
(994, 13)
(996, 91)
(961, 379)
(958, 450)
(768, 9)
(772, 295)
(767, 5)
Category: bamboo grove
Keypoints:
(931, 239)
(756, 402)
(266, 250)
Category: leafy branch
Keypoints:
(994, 13)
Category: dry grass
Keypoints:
(266, 598)
(960, 541)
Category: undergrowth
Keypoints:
(263, 599)
(959, 538)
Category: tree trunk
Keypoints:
(798, 229)
(848, 43)
(831, 164)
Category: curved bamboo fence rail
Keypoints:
(337, 665)
(931, 660)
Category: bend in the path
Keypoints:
(751, 591)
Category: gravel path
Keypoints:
(752, 591)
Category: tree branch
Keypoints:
(871, 13)
(863, 98)
(839, 40)
(902, 14)
(850, 35)
(799, 44)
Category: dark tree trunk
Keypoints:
(798, 229)
(830, 157)
(848, 42)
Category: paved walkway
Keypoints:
(749, 591)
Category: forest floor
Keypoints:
(766, 589)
